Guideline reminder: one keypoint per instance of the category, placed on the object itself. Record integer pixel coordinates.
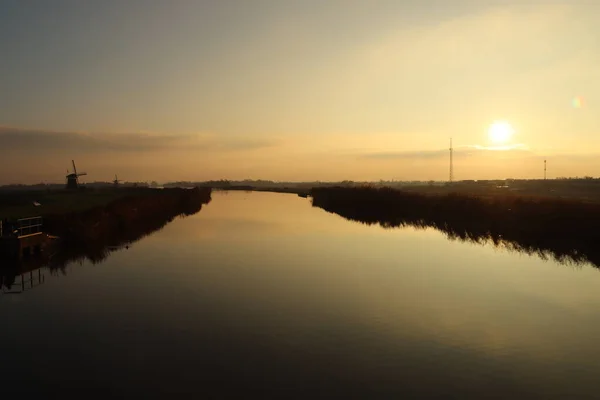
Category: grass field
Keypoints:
(20, 204)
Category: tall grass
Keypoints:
(566, 230)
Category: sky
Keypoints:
(298, 90)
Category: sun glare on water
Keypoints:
(500, 132)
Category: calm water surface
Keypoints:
(261, 294)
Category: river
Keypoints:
(261, 294)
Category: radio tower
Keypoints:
(451, 162)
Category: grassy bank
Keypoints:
(20, 204)
(105, 222)
(566, 230)
(93, 234)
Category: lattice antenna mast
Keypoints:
(451, 162)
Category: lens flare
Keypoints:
(577, 102)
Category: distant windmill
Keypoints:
(116, 181)
(73, 177)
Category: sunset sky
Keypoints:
(298, 90)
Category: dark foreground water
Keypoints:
(262, 295)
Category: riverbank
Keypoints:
(125, 219)
(95, 233)
(141, 210)
(29, 203)
(566, 230)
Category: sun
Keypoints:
(500, 132)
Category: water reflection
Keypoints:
(16, 278)
(261, 294)
(574, 246)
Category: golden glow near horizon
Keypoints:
(292, 91)
(500, 132)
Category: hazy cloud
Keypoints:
(406, 155)
(508, 147)
(29, 140)
(460, 151)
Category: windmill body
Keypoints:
(73, 177)
(116, 181)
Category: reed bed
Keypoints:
(566, 230)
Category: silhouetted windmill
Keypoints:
(116, 181)
(73, 177)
